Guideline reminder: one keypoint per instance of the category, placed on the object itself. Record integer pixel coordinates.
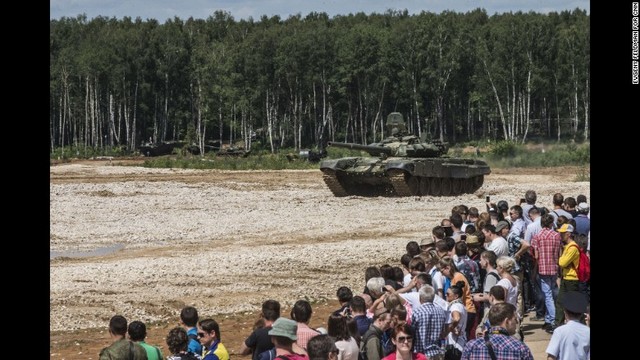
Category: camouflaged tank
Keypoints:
(402, 165)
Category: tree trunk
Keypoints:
(495, 94)
(585, 102)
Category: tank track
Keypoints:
(399, 183)
(334, 185)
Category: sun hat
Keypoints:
(284, 327)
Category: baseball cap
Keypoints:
(501, 225)
(565, 228)
(583, 207)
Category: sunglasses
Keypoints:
(402, 339)
(200, 334)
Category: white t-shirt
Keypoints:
(406, 280)
(499, 246)
(348, 349)
(413, 298)
(512, 291)
(458, 340)
(437, 279)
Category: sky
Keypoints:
(162, 10)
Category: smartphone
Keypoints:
(487, 199)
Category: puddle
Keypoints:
(78, 254)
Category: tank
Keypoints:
(402, 165)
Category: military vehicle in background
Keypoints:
(214, 146)
(402, 165)
(161, 148)
(233, 151)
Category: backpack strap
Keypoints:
(487, 341)
(159, 354)
(579, 251)
(494, 275)
(131, 350)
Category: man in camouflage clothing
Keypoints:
(121, 349)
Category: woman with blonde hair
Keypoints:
(504, 266)
(449, 269)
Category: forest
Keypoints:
(306, 80)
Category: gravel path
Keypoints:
(224, 241)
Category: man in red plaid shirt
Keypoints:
(546, 247)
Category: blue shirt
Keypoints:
(570, 341)
(363, 323)
(194, 345)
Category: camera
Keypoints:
(487, 199)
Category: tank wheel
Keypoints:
(436, 186)
(425, 183)
(413, 182)
(446, 188)
(468, 185)
(457, 186)
(477, 182)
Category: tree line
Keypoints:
(303, 81)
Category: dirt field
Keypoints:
(225, 241)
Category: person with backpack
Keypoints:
(584, 266)
(189, 321)
(568, 262)
(371, 343)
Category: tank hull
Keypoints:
(402, 176)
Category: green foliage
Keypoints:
(86, 152)
(503, 149)
(542, 156)
(258, 161)
(238, 77)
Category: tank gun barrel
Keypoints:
(371, 149)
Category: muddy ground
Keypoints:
(224, 241)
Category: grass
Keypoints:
(502, 154)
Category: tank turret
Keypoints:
(402, 165)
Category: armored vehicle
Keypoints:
(402, 165)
